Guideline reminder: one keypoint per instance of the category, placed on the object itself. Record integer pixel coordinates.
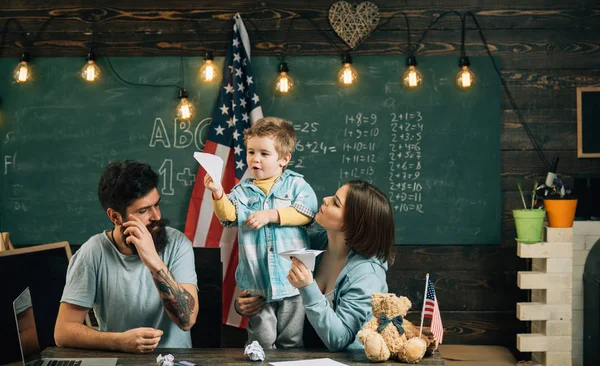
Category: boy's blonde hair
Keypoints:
(280, 130)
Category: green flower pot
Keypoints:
(530, 225)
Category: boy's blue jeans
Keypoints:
(278, 325)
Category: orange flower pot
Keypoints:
(561, 212)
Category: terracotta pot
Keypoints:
(561, 211)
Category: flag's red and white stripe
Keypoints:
(203, 227)
(432, 310)
(436, 320)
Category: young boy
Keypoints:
(271, 210)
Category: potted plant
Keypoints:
(529, 221)
(558, 202)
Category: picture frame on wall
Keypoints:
(588, 122)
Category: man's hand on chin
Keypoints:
(139, 236)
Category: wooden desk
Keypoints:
(228, 356)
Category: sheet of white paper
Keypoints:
(306, 256)
(314, 362)
(213, 165)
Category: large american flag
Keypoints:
(432, 310)
(237, 107)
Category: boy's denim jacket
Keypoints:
(260, 269)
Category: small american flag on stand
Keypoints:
(431, 310)
(237, 107)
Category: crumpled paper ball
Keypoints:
(255, 351)
(166, 360)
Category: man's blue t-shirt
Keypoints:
(121, 289)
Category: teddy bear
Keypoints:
(389, 336)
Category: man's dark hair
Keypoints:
(123, 182)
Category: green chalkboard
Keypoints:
(435, 151)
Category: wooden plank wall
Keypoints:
(546, 48)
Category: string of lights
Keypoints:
(513, 104)
(284, 83)
(22, 72)
(90, 72)
(465, 77)
(347, 75)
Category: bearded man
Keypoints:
(138, 277)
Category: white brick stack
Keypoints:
(550, 309)
(585, 235)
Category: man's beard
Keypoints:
(158, 230)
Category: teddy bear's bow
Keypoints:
(384, 321)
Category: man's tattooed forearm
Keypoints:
(176, 299)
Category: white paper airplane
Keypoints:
(213, 165)
(306, 256)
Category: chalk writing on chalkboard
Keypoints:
(434, 151)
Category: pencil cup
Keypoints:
(530, 225)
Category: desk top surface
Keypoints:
(227, 356)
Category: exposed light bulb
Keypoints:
(411, 77)
(208, 71)
(22, 73)
(284, 82)
(347, 75)
(465, 77)
(90, 71)
(185, 109)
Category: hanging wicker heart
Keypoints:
(353, 23)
